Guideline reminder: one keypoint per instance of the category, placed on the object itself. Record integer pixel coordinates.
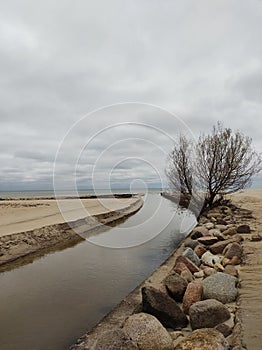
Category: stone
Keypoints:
(147, 332)
(256, 237)
(209, 240)
(221, 287)
(207, 314)
(209, 271)
(189, 264)
(224, 329)
(176, 286)
(179, 267)
(204, 339)
(233, 249)
(191, 255)
(209, 225)
(230, 231)
(187, 275)
(114, 340)
(221, 227)
(199, 274)
(199, 231)
(191, 243)
(218, 267)
(219, 247)
(243, 229)
(234, 261)
(199, 250)
(192, 295)
(163, 307)
(216, 233)
(231, 270)
(210, 259)
(221, 221)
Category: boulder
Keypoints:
(243, 229)
(114, 340)
(233, 249)
(147, 332)
(209, 225)
(163, 307)
(191, 243)
(207, 313)
(179, 267)
(218, 247)
(199, 250)
(189, 264)
(204, 339)
(230, 231)
(210, 259)
(231, 270)
(199, 231)
(187, 275)
(208, 240)
(221, 287)
(191, 255)
(192, 295)
(176, 286)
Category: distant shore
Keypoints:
(30, 226)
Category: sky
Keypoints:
(98, 91)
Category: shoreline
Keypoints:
(22, 247)
(132, 304)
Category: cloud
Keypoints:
(59, 61)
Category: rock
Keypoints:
(220, 227)
(256, 237)
(209, 271)
(199, 250)
(199, 274)
(204, 339)
(191, 243)
(219, 247)
(221, 221)
(209, 240)
(192, 295)
(221, 287)
(176, 286)
(179, 267)
(147, 332)
(210, 260)
(163, 307)
(199, 231)
(191, 255)
(234, 261)
(114, 340)
(224, 329)
(187, 275)
(209, 225)
(207, 313)
(231, 270)
(243, 229)
(215, 232)
(218, 267)
(230, 231)
(189, 264)
(233, 249)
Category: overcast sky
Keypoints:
(199, 60)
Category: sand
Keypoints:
(251, 271)
(35, 226)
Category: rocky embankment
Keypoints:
(37, 242)
(191, 301)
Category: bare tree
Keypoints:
(179, 169)
(224, 162)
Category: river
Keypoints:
(48, 304)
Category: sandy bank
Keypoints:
(250, 272)
(36, 226)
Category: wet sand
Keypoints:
(32, 227)
(251, 271)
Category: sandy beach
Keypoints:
(250, 272)
(36, 225)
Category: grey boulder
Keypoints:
(221, 287)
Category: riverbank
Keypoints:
(30, 227)
(226, 252)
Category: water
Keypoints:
(49, 303)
